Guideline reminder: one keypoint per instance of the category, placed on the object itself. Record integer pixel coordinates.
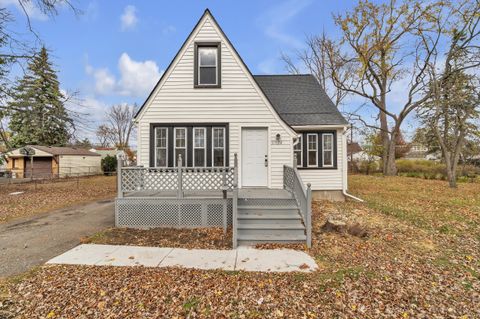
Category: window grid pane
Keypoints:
(207, 56)
(312, 149)
(180, 145)
(218, 146)
(327, 149)
(180, 138)
(208, 75)
(199, 136)
(161, 146)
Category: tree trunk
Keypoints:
(390, 165)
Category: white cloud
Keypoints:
(137, 78)
(104, 81)
(276, 19)
(28, 6)
(129, 18)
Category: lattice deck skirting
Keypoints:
(148, 212)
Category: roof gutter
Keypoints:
(345, 167)
(319, 127)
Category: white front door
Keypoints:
(254, 157)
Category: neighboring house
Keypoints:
(358, 154)
(53, 161)
(418, 151)
(105, 151)
(234, 131)
(114, 152)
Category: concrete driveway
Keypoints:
(25, 243)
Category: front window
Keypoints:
(161, 146)
(327, 143)
(297, 150)
(218, 144)
(199, 145)
(181, 145)
(207, 65)
(312, 146)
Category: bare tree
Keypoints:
(385, 43)
(120, 122)
(105, 135)
(321, 57)
(452, 111)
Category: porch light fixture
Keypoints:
(278, 139)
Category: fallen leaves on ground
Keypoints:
(421, 259)
(51, 195)
(203, 238)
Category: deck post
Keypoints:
(119, 176)
(234, 216)
(179, 172)
(309, 215)
(235, 167)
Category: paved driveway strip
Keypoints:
(243, 258)
(31, 241)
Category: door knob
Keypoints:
(266, 160)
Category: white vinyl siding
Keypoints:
(330, 178)
(238, 102)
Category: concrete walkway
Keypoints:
(243, 258)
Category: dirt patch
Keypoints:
(202, 238)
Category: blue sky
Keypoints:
(116, 50)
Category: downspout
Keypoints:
(345, 167)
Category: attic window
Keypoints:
(207, 65)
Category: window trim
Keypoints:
(332, 149)
(156, 146)
(199, 67)
(308, 150)
(300, 136)
(213, 145)
(204, 148)
(196, 70)
(150, 159)
(175, 159)
(336, 156)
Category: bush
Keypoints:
(368, 167)
(109, 164)
(434, 170)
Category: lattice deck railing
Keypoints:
(133, 179)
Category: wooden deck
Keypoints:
(242, 193)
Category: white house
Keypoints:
(208, 109)
(208, 106)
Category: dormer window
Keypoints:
(207, 65)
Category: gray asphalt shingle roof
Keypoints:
(300, 100)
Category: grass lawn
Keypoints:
(421, 259)
(48, 196)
